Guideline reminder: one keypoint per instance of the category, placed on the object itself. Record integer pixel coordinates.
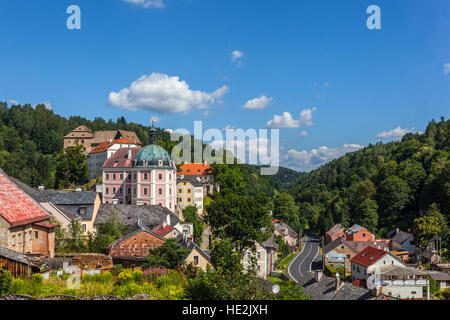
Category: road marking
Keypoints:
(300, 265)
(289, 266)
(318, 250)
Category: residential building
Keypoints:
(98, 155)
(402, 241)
(266, 256)
(358, 233)
(335, 233)
(198, 257)
(24, 224)
(384, 272)
(442, 279)
(321, 287)
(131, 249)
(340, 252)
(189, 193)
(152, 217)
(62, 216)
(140, 177)
(84, 136)
(203, 174)
(18, 264)
(286, 232)
(67, 206)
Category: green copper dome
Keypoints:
(151, 155)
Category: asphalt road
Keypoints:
(301, 265)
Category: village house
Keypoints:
(382, 271)
(105, 150)
(286, 232)
(18, 264)
(402, 241)
(84, 136)
(63, 217)
(202, 173)
(266, 256)
(159, 219)
(198, 257)
(442, 279)
(358, 233)
(144, 176)
(131, 250)
(335, 233)
(189, 193)
(24, 224)
(69, 206)
(340, 252)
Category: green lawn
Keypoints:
(285, 262)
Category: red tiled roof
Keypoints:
(16, 206)
(102, 147)
(46, 225)
(195, 169)
(120, 160)
(162, 231)
(368, 256)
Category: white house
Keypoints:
(266, 256)
(97, 157)
(383, 271)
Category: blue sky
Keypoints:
(318, 57)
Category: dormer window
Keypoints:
(82, 210)
(160, 163)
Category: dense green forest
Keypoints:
(382, 186)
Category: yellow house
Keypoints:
(189, 193)
(197, 257)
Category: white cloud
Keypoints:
(13, 102)
(236, 55)
(306, 161)
(302, 134)
(287, 121)
(47, 105)
(306, 116)
(258, 103)
(394, 133)
(255, 150)
(163, 94)
(446, 68)
(147, 3)
(283, 122)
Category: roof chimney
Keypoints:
(41, 188)
(205, 164)
(129, 154)
(339, 283)
(318, 275)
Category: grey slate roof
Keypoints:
(354, 229)
(399, 236)
(18, 257)
(270, 243)
(192, 245)
(192, 179)
(325, 289)
(129, 215)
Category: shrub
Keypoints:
(330, 270)
(137, 276)
(125, 277)
(152, 274)
(162, 281)
(36, 284)
(18, 286)
(5, 281)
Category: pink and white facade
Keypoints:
(125, 182)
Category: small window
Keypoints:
(258, 255)
(19, 238)
(36, 234)
(160, 191)
(13, 240)
(84, 227)
(189, 199)
(364, 235)
(29, 236)
(249, 255)
(121, 176)
(195, 260)
(145, 191)
(107, 191)
(145, 176)
(114, 176)
(107, 176)
(160, 176)
(82, 210)
(114, 190)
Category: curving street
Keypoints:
(301, 265)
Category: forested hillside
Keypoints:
(382, 186)
(31, 138)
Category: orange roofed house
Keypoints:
(202, 173)
(24, 224)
